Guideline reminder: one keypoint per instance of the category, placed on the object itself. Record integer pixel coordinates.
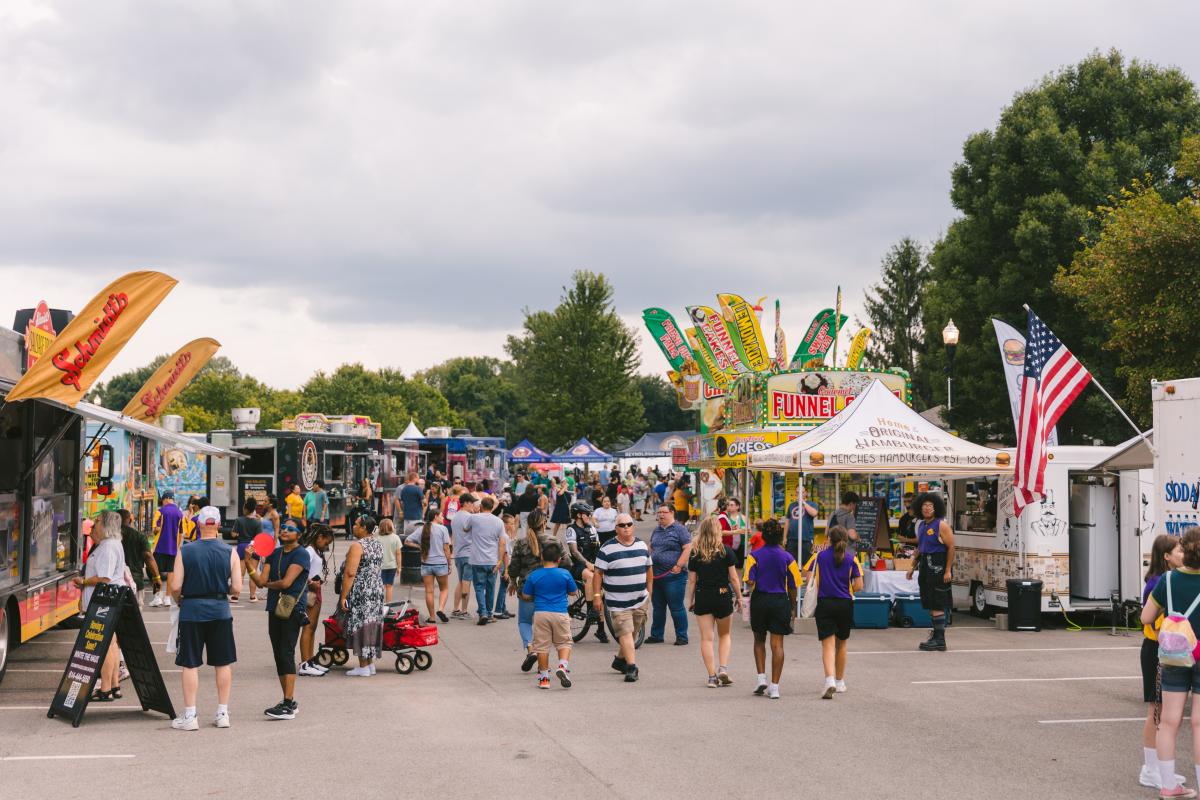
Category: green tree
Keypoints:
(386, 396)
(1025, 190)
(1139, 277)
(893, 309)
(576, 366)
(660, 406)
(120, 389)
(483, 391)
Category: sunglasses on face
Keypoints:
(291, 528)
(624, 524)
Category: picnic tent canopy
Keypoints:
(526, 452)
(582, 452)
(878, 433)
(655, 445)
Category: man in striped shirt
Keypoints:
(623, 578)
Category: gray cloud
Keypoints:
(384, 161)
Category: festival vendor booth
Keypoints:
(880, 434)
(391, 461)
(473, 459)
(307, 448)
(529, 457)
(582, 452)
(664, 451)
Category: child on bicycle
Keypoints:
(549, 588)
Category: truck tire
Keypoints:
(979, 604)
(6, 636)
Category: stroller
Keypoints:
(402, 634)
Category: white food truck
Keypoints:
(1089, 540)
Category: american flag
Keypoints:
(1053, 379)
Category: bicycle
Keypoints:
(582, 616)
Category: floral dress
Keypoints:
(364, 625)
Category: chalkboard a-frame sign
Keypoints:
(113, 610)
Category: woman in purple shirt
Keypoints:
(837, 578)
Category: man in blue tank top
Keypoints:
(935, 561)
(207, 575)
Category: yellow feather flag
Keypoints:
(858, 348)
(170, 379)
(78, 355)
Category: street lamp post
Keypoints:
(950, 339)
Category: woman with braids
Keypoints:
(317, 541)
(433, 540)
(935, 562)
(774, 581)
(713, 591)
(838, 577)
(526, 557)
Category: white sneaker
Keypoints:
(372, 668)
(157, 601)
(830, 688)
(840, 687)
(221, 720)
(124, 672)
(310, 670)
(167, 601)
(359, 672)
(1149, 778)
(185, 724)
(773, 691)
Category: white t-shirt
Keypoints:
(605, 519)
(486, 530)
(315, 562)
(106, 561)
(439, 537)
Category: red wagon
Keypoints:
(402, 634)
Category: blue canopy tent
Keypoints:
(582, 452)
(526, 452)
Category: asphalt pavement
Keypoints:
(1000, 715)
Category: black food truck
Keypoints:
(308, 448)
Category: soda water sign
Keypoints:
(1182, 497)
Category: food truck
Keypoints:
(474, 459)
(392, 460)
(764, 410)
(306, 448)
(40, 548)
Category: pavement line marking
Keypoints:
(1035, 680)
(62, 757)
(994, 650)
(1095, 719)
(44, 708)
(14, 669)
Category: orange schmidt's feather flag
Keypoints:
(170, 379)
(78, 355)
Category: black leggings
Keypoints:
(283, 633)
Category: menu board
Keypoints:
(112, 610)
(870, 520)
(258, 488)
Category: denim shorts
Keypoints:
(437, 570)
(462, 564)
(1180, 679)
(388, 576)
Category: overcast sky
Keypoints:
(393, 183)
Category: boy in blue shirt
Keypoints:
(549, 588)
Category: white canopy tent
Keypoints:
(412, 432)
(878, 433)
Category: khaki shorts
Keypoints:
(628, 621)
(551, 630)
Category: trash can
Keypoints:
(1024, 604)
(410, 567)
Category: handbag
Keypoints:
(808, 605)
(286, 604)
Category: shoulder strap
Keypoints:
(1193, 606)
(1170, 605)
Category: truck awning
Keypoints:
(116, 419)
(1133, 454)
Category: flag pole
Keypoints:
(1141, 434)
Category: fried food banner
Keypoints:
(79, 354)
(170, 379)
(744, 329)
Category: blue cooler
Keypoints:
(871, 610)
(908, 612)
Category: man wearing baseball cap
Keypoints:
(168, 530)
(207, 575)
